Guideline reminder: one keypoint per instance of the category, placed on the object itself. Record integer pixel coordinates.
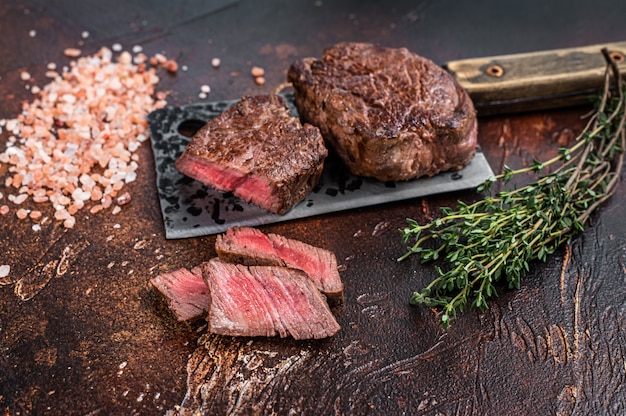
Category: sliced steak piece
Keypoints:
(389, 113)
(250, 246)
(186, 292)
(257, 150)
(265, 301)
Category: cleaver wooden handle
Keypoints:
(536, 80)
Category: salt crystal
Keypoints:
(72, 52)
(24, 75)
(137, 48)
(106, 201)
(11, 124)
(69, 98)
(116, 47)
(171, 66)
(64, 200)
(80, 195)
(19, 198)
(84, 34)
(115, 84)
(72, 209)
(116, 210)
(5, 269)
(257, 71)
(205, 89)
(215, 62)
(106, 55)
(96, 193)
(118, 186)
(125, 58)
(61, 214)
(69, 222)
(32, 33)
(160, 58)
(87, 180)
(139, 59)
(124, 199)
(119, 176)
(133, 146)
(130, 177)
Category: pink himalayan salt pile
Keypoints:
(73, 146)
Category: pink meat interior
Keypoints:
(240, 306)
(187, 293)
(249, 188)
(318, 264)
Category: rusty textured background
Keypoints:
(82, 333)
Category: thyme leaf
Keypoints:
(495, 239)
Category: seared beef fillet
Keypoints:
(265, 301)
(259, 152)
(250, 246)
(186, 292)
(389, 113)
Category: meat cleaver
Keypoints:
(497, 84)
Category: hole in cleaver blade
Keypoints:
(189, 128)
(191, 209)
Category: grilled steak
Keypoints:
(250, 246)
(186, 292)
(265, 301)
(257, 150)
(389, 113)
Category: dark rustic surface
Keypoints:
(92, 338)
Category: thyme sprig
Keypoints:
(499, 236)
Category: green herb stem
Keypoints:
(497, 237)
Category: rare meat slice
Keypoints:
(389, 113)
(257, 150)
(250, 246)
(186, 292)
(265, 301)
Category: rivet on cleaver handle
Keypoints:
(536, 80)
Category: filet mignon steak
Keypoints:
(265, 301)
(250, 246)
(257, 150)
(389, 113)
(186, 292)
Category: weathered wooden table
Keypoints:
(95, 339)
